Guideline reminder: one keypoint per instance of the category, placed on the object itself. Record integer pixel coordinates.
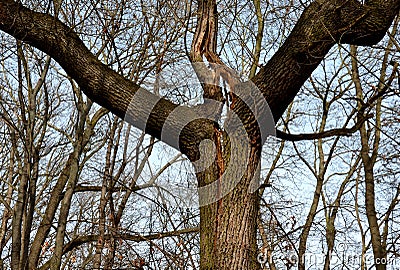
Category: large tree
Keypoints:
(229, 205)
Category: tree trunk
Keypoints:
(225, 224)
(228, 225)
(368, 166)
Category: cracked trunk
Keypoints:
(228, 225)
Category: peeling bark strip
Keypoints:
(228, 211)
(205, 38)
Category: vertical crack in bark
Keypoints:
(219, 238)
(220, 171)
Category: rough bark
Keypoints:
(228, 225)
(228, 220)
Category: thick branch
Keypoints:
(99, 82)
(322, 25)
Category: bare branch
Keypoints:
(325, 134)
(125, 236)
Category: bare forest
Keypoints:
(202, 134)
